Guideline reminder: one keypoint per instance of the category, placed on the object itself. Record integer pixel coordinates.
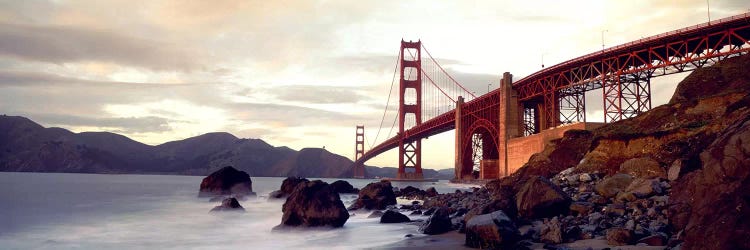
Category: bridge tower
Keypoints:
(359, 151)
(410, 86)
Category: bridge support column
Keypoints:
(410, 152)
(459, 161)
(509, 124)
(359, 151)
(626, 96)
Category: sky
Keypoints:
(293, 73)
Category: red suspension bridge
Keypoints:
(498, 131)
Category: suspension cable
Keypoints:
(393, 80)
(446, 73)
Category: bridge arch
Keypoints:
(479, 138)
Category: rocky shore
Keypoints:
(675, 177)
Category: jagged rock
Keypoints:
(438, 223)
(287, 187)
(539, 198)
(416, 212)
(643, 167)
(615, 210)
(391, 216)
(711, 204)
(491, 231)
(228, 204)
(376, 195)
(619, 236)
(609, 187)
(550, 232)
(312, 204)
(343, 187)
(375, 214)
(226, 181)
(585, 177)
(581, 207)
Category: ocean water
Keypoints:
(94, 211)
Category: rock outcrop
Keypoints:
(226, 181)
(491, 231)
(287, 187)
(343, 187)
(439, 222)
(229, 204)
(711, 204)
(376, 195)
(391, 216)
(314, 204)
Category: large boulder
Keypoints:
(343, 187)
(539, 198)
(376, 195)
(438, 223)
(229, 204)
(391, 216)
(287, 187)
(643, 167)
(610, 186)
(226, 181)
(491, 231)
(619, 236)
(314, 204)
(711, 204)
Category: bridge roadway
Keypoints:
(672, 52)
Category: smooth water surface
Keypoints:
(94, 211)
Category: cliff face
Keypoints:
(26, 146)
(699, 141)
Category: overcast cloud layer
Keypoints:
(294, 73)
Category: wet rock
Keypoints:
(619, 236)
(376, 195)
(582, 208)
(491, 231)
(228, 204)
(550, 232)
(375, 214)
(609, 187)
(416, 212)
(391, 216)
(653, 240)
(643, 167)
(539, 198)
(314, 204)
(438, 223)
(287, 187)
(429, 211)
(226, 181)
(412, 193)
(343, 187)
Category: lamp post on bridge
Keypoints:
(603, 38)
(488, 87)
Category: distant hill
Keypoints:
(26, 146)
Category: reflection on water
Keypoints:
(91, 211)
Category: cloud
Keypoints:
(318, 94)
(280, 115)
(63, 44)
(116, 124)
